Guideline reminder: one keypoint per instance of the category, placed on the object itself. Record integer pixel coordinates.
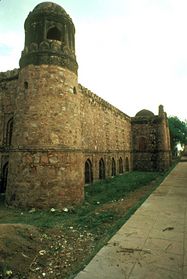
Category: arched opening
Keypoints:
(54, 34)
(4, 178)
(101, 169)
(88, 172)
(9, 129)
(127, 164)
(113, 167)
(120, 165)
(142, 144)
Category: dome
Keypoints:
(144, 113)
(49, 7)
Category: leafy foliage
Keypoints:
(178, 132)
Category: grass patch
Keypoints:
(96, 195)
(117, 187)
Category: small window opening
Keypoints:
(74, 90)
(54, 34)
(26, 85)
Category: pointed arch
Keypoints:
(101, 169)
(9, 129)
(127, 164)
(113, 167)
(88, 172)
(54, 34)
(120, 165)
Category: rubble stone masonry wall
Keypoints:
(57, 136)
(8, 91)
(58, 125)
(106, 133)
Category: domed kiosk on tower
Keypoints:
(49, 37)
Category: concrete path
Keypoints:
(153, 242)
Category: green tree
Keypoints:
(178, 132)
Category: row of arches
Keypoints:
(88, 169)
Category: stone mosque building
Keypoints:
(56, 135)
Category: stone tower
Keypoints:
(46, 162)
(151, 141)
(164, 146)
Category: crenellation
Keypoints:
(9, 75)
(104, 104)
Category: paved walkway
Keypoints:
(153, 242)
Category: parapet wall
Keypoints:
(104, 127)
(9, 75)
(96, 99)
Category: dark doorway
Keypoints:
(113, 167)
(101, 169)
(120, 165)
(4, 178)
(88, 173)
(54, 34)
(127, 164)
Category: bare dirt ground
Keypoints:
(28, 252)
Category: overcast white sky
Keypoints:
(132, 53)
